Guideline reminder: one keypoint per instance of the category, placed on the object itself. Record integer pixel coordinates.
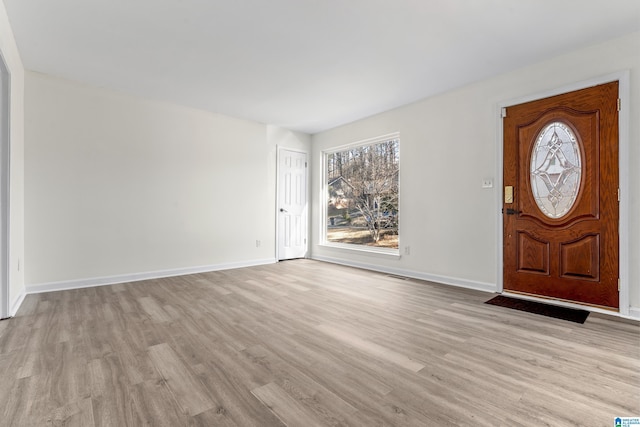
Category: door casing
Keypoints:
(623, 77)
(5, 167)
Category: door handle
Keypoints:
(283, 210)
(511, 211)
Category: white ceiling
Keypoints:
(307, 65)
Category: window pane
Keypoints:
(362, 206)
(556, 170)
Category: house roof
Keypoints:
(333, 181)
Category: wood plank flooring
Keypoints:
(305, 343)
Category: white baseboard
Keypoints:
(634, 312)
(453, 281)
(135, 277)
(17, 303)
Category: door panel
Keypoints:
(581, 258)
(561, 229)
(292, 204)
(533, 254)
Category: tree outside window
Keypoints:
(362, 183)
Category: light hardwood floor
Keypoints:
(305, 343)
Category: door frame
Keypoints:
(5, 176)
(623, 77)
(279, 149)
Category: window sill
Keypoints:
(364, 249)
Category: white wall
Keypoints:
(119, 187)
(9, 52)
(287, 138)
(449, 143)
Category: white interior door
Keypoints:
(292, 204)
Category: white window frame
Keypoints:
(325, 198)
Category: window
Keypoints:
(362, 194)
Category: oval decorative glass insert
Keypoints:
(556, 169)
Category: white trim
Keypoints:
(363, 142)
(500, 111)
(5, 189)
(452, 281)
(624, 93)
(363, 248)
(17, 303)
(634, 312)
(497, 199)
(126, 278)
(279, 148)
(624, 160)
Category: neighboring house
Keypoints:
(340, 193)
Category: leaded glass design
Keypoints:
(556, 169)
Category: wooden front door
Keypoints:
(560, 202)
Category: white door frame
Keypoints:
(623, 77)
(5, 164)
(277, 207)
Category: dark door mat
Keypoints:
(564, 313)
